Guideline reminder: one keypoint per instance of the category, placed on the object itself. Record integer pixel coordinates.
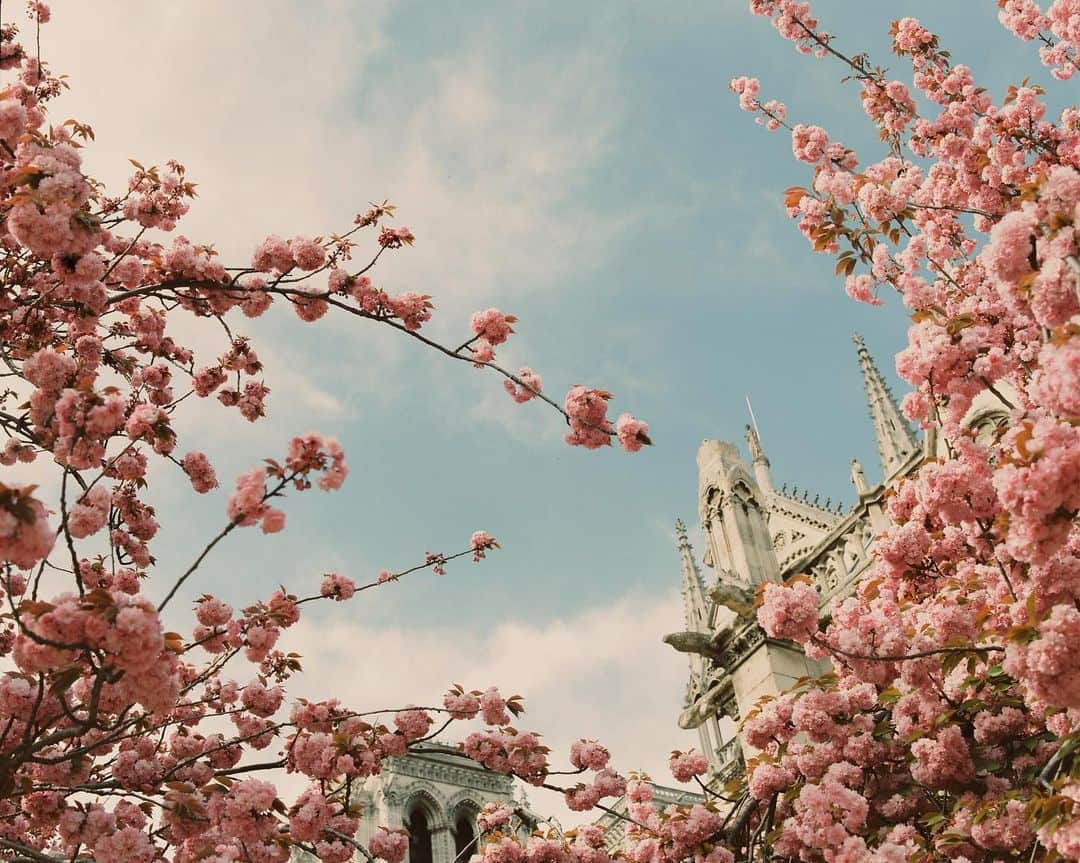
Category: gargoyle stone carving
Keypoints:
(704, 706)
(736, 597)
(693, 642)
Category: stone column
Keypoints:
(442, 843)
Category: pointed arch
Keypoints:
(424, 816)
(463, 811)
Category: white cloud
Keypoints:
(225, 89)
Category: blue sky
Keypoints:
(582, 166)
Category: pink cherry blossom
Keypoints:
(530, 387)
(337, 587)
(632, 433)
(413, 724)
(480, 542)
(789, 611)
(493, 326)
(587, 409)
(589, 755)
(493, 707)
(493, 816)
(199, 470)
(462, 705)
(686, 765)
(90, 513)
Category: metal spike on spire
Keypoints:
(697, 606)
(762, 471)
(895, 440)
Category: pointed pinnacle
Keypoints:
(693, 588)
(894, 437)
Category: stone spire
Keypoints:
(760, 461)
(693, 586)
(895, 439)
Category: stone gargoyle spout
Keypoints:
(693, 642)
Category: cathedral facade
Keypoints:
(755, 533)
(435, 795)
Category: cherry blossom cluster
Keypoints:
(773, 113)
(686, 765)
(947, 728)
(582, 845)
(586, 411)
(1056, 29)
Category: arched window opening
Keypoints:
(419, 836)
(464, 837)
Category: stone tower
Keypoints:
(754, 534)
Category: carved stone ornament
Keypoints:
(693, 642)
(739, 645)
(734, 596)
